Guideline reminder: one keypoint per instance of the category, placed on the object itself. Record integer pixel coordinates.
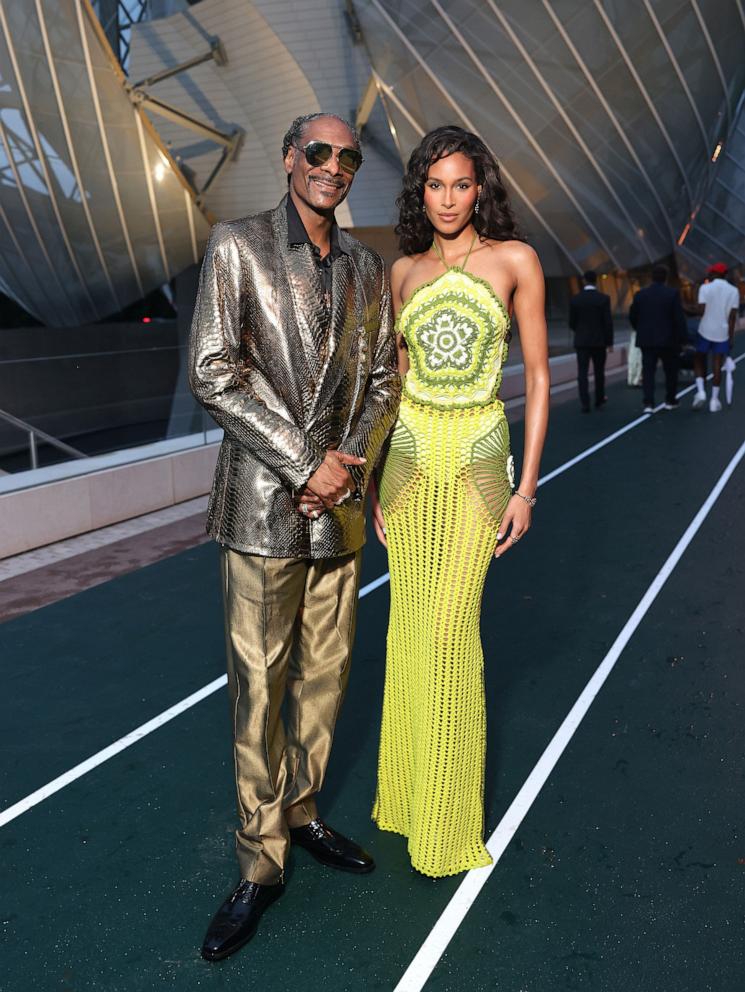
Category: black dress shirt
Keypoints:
(297, 235)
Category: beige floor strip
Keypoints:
(60, 550)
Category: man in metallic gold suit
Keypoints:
(292, 352)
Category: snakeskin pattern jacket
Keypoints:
(287, 374)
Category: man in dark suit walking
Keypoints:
(657, 317)
(590, 319)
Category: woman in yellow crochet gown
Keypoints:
(446, 503)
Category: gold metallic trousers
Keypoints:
(289, 627)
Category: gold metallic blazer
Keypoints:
(286, 382)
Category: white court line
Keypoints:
(418, 972)
(11, 812)
(612, 437)
(375, 584)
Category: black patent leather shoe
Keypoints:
(331, 849)
(235, 922)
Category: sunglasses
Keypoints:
(319, 152)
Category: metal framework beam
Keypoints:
(366, 103)
(679, 73)
(216, 53)
(720, 244)
(171, 113)
(714, 58)
(732, 192)
(228, 154)
(725, 218)
(231, 142)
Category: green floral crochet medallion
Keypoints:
(445, 340)
(455, 327)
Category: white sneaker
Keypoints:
(699, 400)
(714, 405)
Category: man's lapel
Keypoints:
(324, 338)
(343, 322)
(306, 296)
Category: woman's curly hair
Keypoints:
(494, 219)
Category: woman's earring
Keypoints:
(476, 208)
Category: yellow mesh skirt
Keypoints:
(443, 491)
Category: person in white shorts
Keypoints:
(718, 301)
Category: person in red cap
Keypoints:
(718, 301)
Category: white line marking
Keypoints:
(108, 752)
(375, 584)
(591, 450)
(454, 913)
(11, 812)
(612, 437)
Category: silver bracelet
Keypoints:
(530, 500)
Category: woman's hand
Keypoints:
(515, 524)
(309, 505)
(377, 513)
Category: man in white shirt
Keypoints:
(718, 301)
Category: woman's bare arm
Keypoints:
(399, 271)
(529, 309)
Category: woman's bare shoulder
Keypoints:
(401, 269)
(403, 265)
(517, 251)
(516, 257)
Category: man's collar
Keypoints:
(590, 286)
(297, 235)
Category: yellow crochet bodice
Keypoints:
(456, 329)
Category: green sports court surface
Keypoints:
(616, 804)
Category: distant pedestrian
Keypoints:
(590, 319)
(718, 302)
(657, 317)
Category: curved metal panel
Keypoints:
(85, 185)
(717, 233)
(594, 110)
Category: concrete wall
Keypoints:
(65, 507)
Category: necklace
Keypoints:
(465, 260)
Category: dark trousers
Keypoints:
(669, 359)
(584, 354)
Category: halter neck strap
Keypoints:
(465, 260)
